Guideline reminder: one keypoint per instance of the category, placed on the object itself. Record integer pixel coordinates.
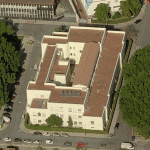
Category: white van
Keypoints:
(127, 145)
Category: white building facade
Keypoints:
(67, 77)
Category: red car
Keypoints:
(148, 1)
(80, 144)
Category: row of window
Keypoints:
(9, 4)
(69, 109)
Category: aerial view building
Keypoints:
(29, 9)
(90, 5)
(77, 77)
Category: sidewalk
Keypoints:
(141, 14)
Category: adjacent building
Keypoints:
(28, 9)
(77, 77)
(90, 5)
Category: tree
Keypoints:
(62, 28)
(102, 12)
(116, 15)
(135, 94)
(130, 7)
(131, 31)
(54, 120)
(70, 122)
(9, 60)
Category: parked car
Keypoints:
(8, 110)
(65, 135)
(133, 138)
(9, 106)
(46, 134)
(49, 141)
(27, 141)
(111, 136)
(37, 133)
(17, 140)
(148, 1)
(67, 143)
(137, 21)
(10, 103)
(36, 141)
(6, 114)
(80, 144)
(7, 139)
(7, 119)
(56, 134)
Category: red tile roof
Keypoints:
(104, 73)
(44, 2)
(45, 65)
(58, 69)
(85, 35)
(56, 98)
(86, 64)
(54, 41)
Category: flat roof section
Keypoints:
(58, 69)
(104, 73)
(47, 2)
(85, 35)
(56, 97)
(45, 65)
(39, 103)
(86, 64)
(54, 41)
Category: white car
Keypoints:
(36, 141)
(49, 141)
(7, 139)
(27, 141)
(46, 134)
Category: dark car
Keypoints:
(117, 126)
(6, 114)
(9, 106)
(10, 103)
(137, 21)
(133, 138)
(67, 143)
(37, 133)
(17, 140)
(8, 110)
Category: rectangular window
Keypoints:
(79, 117)
(74, 54)
(61, 109)
(92, 122)
(80, 123)
(39, 121)
(43, 114)
(70, 47)
(42, 95)
(75, 123)
(81, 51)
(70, 54)
(79, 110)
(51, 108)
(73, 48)
(69, 109)
(39, 114)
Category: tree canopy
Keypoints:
(70, 122)
(9, 59)
(135, 94)
(54, 120)
(102, 12)
(130, 7)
